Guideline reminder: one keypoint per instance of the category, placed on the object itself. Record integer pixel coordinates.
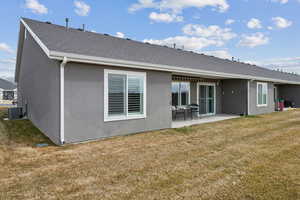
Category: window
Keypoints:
(180, 93)
(262, 94)
(8, 95)
(124, 95)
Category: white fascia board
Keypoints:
(36, 38)
(140, 65)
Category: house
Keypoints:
(77, 85)
(8, 92)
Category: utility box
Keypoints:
(15, 113)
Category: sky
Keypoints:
(262, 32)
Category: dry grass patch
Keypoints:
(246, 158)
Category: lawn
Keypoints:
(247, 158)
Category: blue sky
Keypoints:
(264, 32)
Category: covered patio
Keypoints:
(202, 120)
(194, 96)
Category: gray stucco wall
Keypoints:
(38, 86)
(254, 109)
(290, 92)
(234, 96)
(219, 98)
(194, 93)
(84, 104)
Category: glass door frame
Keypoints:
(215, 97)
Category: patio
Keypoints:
(202, 120)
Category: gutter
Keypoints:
(157, 67)
(62, 100)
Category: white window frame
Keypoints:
(215, 97)
(128, 116)
(257, 100)
(179, 95)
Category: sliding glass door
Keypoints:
(207, 98)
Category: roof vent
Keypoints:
(106, 34)
(47, 22)
(147, 43)
(128, 39)
(80, 29)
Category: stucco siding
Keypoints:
(253, 108)
(234, 96)
(84, 104)
(38, 87)
(219, 98)
(194, 93)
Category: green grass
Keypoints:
(19, 132)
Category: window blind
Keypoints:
(116, 94)
(135, 95)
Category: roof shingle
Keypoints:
(58, 38)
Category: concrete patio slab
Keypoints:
(202, 120)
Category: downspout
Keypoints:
(248, 97)
(62, 100)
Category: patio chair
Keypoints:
(193, 108)
(179, 110)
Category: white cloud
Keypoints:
(197, 37)
(165, 17)
(270, 28)
(189, 43)
(7, 68)
(120, 34)
(254, 23)
(36, 7)
(289, 64)
(280, 1)
(281, 22)
(82, 9)
(253, 40)
(213, 32)
(6, 48)
(229, 21)
(219, 53)
(176, 6)
(8, 61)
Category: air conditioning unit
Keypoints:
(15, 113)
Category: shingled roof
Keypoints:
(77, 42)
(7, 85)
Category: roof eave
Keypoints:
(141, 65)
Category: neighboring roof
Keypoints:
(7, 85)
(55, 38)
